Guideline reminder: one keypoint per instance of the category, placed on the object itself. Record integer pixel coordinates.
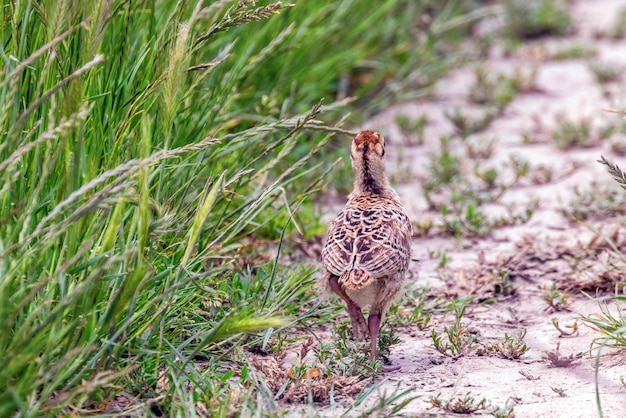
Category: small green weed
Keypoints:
(346, 356)
(605, 72)
(506, 411)
(472, 221)
(575, 51)
(417, 311)
(573, 329)
(556, 299)
(466, 125)
(386, 339)
(572, 133)
(422, 226)
(511, 348)
(499, 91)
(444, 168)
(536, 18)
(504, 286)
(598, 200)
(480, 147)
(465, 405)
(412, 130)
(456, 339)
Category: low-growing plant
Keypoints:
(573, 329)
(598, 199)
(499, 91)
(504, 286)
(386, 339)
(422, 226)
(345, 356)
(467, 404)
(480, 147)
(459, 195)
(418, 308)
(466, 125)
(511, 348)
(535, 18)
(506, 411)
(572, 133)
(444, 168)
(456, 339)
(605, 72)
(611, 324)
(412, 129)
(469, 222)
(555, 298)
(575, 51)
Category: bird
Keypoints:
(367, 249)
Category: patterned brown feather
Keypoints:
(369, 240)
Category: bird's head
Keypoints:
(367, 143)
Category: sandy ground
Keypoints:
(532, 384)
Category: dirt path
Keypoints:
(536, 253)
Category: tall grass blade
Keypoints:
(208, 200)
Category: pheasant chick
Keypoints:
(368, 246)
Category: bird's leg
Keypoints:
(373, 323)
(356, 316)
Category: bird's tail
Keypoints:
(355, 279)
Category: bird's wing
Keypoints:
(384, 244)
(338, 250)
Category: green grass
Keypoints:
(150, 155)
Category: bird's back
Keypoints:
(368, 241)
